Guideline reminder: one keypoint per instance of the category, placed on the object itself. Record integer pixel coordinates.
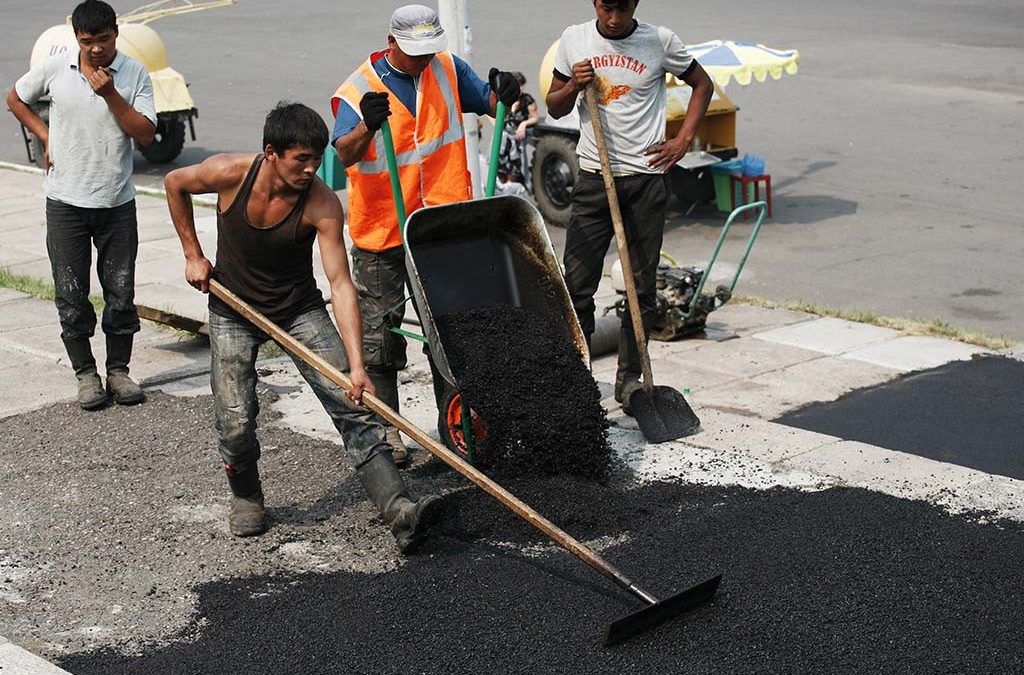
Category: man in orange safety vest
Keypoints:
(423, 91)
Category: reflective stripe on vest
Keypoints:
(430, 151)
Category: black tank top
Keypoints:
(270, 267)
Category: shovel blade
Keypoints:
(663, 415)
(622, 629)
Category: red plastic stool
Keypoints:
(743, 181)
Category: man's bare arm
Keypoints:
(28, 117)
(666, 155)
(329, 219)
(219, 174)
(352, 146)
(561, 97)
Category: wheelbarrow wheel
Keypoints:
(450, 424)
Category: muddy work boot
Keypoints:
(247, 516)
(410, 521)
(624, 390)
(123, 388)
(90, 389)
(399, 452)
(411, 526)
(90, 392)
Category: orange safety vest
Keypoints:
(430, 148)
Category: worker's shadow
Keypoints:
(344, 497)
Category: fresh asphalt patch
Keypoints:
(969, 413)
(840, 580)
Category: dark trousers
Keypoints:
(71, 232)
(642, 199)
(382, 281)
(234, 344)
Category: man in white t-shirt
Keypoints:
(627, 61)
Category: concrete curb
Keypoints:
(17, 661)
(203, 200)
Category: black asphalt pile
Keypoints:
(540, 403)
(965, 412)
(837, 581)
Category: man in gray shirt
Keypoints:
(626, 61)
(100, 101)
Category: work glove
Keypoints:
(375, 109)
(504, 85)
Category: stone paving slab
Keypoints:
(759, 439)
(26, 313)
(16, 256)
(39, 383)
(914, 352)
(749, 319)
(772, 394)
(16, 661)
(7, 294)
(829, 335)
(897, 473)
(741, 358)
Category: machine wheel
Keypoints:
(449, 424)
(37, 151)
(168, 142)
(692, 186)
(554, 174)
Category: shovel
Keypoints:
(656, 611)
(661, 412)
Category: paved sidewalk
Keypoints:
(754, 365)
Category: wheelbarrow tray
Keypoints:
(482, 253)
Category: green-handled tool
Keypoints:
(492, 168)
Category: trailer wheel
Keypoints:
(554, 175)
(168, 142)
(449, 424)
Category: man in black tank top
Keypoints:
(271, 208)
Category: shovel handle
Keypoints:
(513, 503)
(620, 239)
(492, 168)
(396, 182)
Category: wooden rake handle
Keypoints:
(513, 503)
(620, 238)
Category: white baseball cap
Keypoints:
(418, 31)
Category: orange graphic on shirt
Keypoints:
(610, 92)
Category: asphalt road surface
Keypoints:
(893, 152)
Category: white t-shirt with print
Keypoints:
(630, 86)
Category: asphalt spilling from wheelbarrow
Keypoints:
(528, 382)
(841, 580)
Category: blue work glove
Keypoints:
(505, 86)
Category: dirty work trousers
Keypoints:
(642, 199)
(234, 343)
(382, 283)
(71, 232)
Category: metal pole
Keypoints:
(454, 15)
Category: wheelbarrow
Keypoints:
(477, 254)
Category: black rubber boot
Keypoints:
(386, 384)
(410, 521)
(630, 367)
(123, 388)
(90, 389)
(247, 516)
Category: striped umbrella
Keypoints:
(726, 59)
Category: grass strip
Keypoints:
(932, 328)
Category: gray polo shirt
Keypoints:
(90, 152)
